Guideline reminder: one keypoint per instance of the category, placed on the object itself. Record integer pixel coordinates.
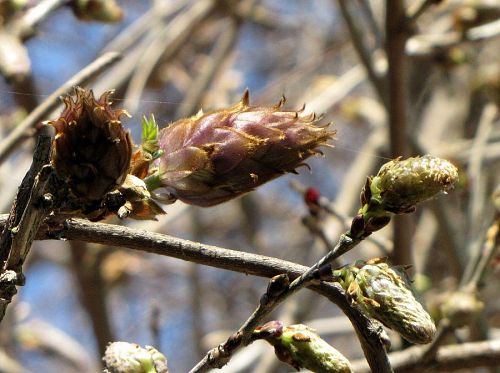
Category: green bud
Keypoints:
(124, 357)
(461, 307)
(150, 136)
(401, 184)
(385, 294)
(301, 347)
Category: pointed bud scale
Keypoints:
(385, 294)
(301, 347)
(401, 184)
(213, 157)
(124, 357)
(138, 203)
(92, 151)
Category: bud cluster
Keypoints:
(93, 158)
(385, 294)
(203, 160)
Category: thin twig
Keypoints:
(478, 271)
(315, 224)
(131, 35)
(478, 178)
(275, 295)
(91, 286)
(58, 345)
(22, 131)
(447, 359)
(364, 54)
(488, 251)
(166, 44)
(372, 22)
(427, 44)
(416, 9)
(239, 261)
(25, 26)
(215, 62)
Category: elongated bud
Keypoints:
(301, 347)
(398, 187)
(401, 184)
(385, 294)
(124, 357)
(214, 157)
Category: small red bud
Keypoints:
(311, 196)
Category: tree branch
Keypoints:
(239, 261)
(26, 216)
(448, 358)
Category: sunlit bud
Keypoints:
(214, 157)
(401, 184)
(124, 357)
(301, 347)
(385, 294)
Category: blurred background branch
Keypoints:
(396, 78)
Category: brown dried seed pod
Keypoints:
(92, 151)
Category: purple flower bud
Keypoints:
(214, 157)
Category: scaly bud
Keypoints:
(398, 187)
(214, 157)
(385, 294)
(301, 347)
(92, 151)
(124, 357)
(401, 184)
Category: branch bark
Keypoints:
(26, 216)
(238, 261)
(448, 358)
(396, 36)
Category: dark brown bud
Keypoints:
(92, 151)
